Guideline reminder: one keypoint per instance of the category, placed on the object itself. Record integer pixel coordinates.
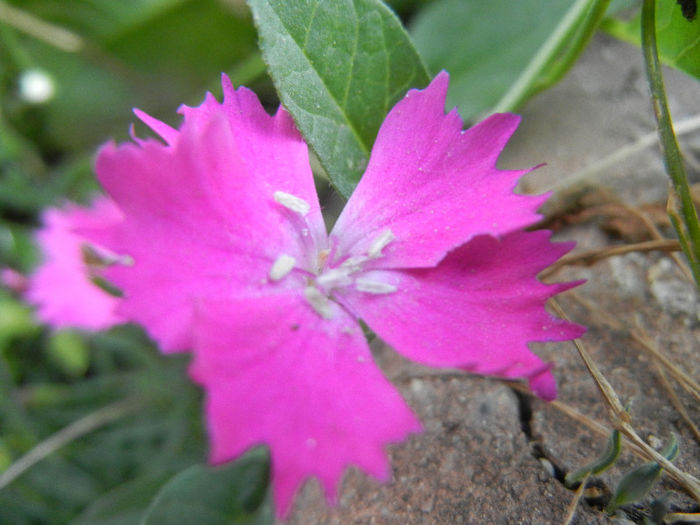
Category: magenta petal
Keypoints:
(168, 134)
(201, 219)
(432, 184)
(476, 310)
(275, 373)
(61, 287)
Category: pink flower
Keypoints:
(232, 259)
(62, 288)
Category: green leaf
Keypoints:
(338, 67)
(203, 495)
(600, 464)
(678, 39)
(15, 320)
(483, 45)
(70, 352)
(637, 483)
(124, 505)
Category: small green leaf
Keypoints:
(15, 320)
(602, 463)
(484, 45)
(637, 483)
(678, 39)
(70, 353)
(203, 495)
(338, 67)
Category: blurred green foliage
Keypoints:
(678, 39)
(151, 54)
(484, 46)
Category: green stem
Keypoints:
(680, 198)
(559, 51)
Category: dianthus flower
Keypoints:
(62, 287)
(231, 259)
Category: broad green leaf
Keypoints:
(678, 39)
(339, 66)
(203, 495)
(124, 505)
(483, 45)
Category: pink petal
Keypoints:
(168, 134)
(60, 287)
(276, 373)
(200, 215)
(433, 185)
(476, 310)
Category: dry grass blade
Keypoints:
(571, 511)
(621, 421)
(589, 257)
(677, 402)
(591, 173)
(658, 235)
(647, 344)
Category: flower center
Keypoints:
(332, 270)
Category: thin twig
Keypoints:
(571, 513)
(588, 257)
(67, 434)
(641, 337)
(588, 174)
(658, 235)
(621, 420)
(677, 402)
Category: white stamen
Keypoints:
(354, 263)
(334, 278)
(282, 266)
(363, 284)
(292, 202)
(379, 242)
(319, 302)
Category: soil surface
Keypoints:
(491, 455)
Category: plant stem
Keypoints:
(47, 32)
(70, 433)
(559, 52)
(680, 200)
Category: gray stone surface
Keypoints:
(475, 464)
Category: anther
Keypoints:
(366, 285)
(334, 278)
(319, 302)
(354, 263)
(282, 266)
(379, 242)
(292, 202)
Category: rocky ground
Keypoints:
(490, 455)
